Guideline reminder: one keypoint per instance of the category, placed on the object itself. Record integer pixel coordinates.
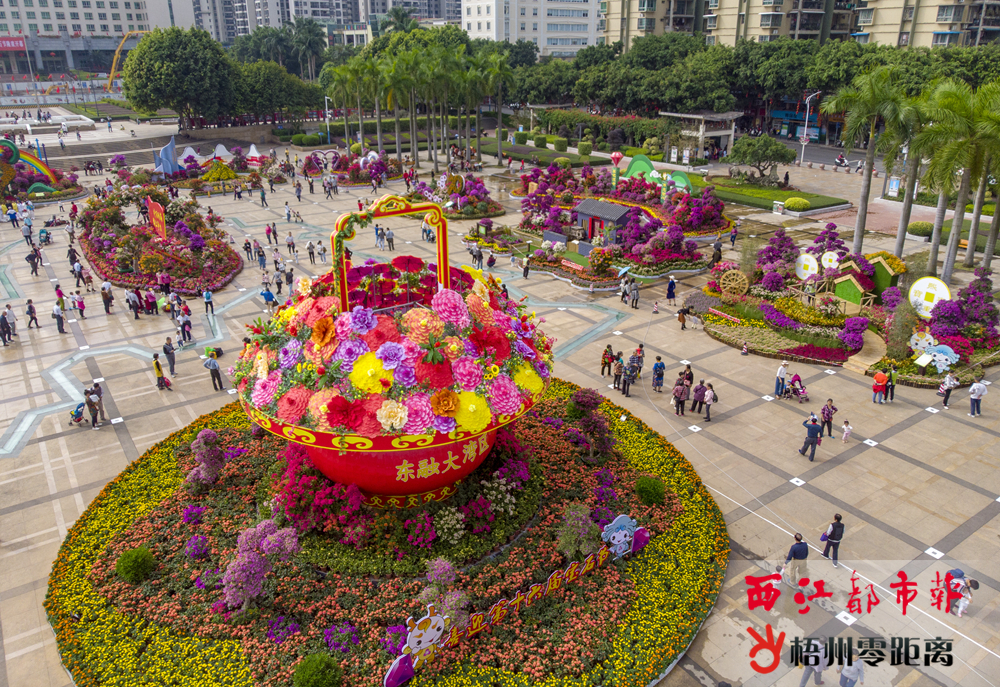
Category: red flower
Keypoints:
(367, 423)
(438, 375)
(386, 330)
(340, 412)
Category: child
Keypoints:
(618, 369)
(658, 368)
(847, 431)
(80, 305)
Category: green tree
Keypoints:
(596, 55)
(450, 36)
(275, 44)
(498, 76)
(902, 135)
(336, 83)
(263, 87)
(665, 50)
(760, 152)
(184, 70)
(871, 98)
(523, 53)
(338, 54)
(309, 42)
(396, 73)
(398, 19)
(700, 82)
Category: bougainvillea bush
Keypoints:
(473, 201)
(296, 593)
(24, 176)
(194, 252)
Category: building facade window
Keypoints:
(945, 38)
(709, 40)
(770, 20)
(644, 24)
(948, 14)
(567, 13)
(567, 28)
(908, 14)
(711, 22)
(904, 38)
(866, 16)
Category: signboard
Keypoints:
(687, 156)
(673, 153)
(572, 265)
(893, 191)
(806, 266)
(12, 44)
(156, 217)
(725, 316)
(830, 260)
(925, 293)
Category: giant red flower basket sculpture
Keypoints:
(404, 398)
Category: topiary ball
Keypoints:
(135, 565)
(920, 228)
(317, 670)
(797, 204)
(650, 491)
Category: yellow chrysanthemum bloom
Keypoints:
(473, 412)
(369, 375)
(528, 379)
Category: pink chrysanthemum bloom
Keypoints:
(468, 373)
(450, 306)
(419, 414)
(343, 326)
(505, 398)
(422, 324)
(414, 353)
(293, 404)
(264, 389)
(454, 348)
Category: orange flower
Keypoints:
(445, 402)
(323, 332)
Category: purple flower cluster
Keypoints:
(776, 318)
(341, 638)
(576, 437)
(192, 515)
(892, 297)
(423, 534)
(828, 240)
(363, 320)
(947, 318)
(515, 472)
(348, 352)
(779, 248)
(210, 579)
(441, 571)
(289, 354)
(209, 457)
(196, 547)
(278, 630)
(853, 333)
(865, 267)
(244, 577)
(773, 282)
(395, 639)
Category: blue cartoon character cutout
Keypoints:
(623, 536)
(942, 357)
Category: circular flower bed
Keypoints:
(252, 572)
(193, 251)
(468, 195)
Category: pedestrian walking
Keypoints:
(734, 233)
(672, 292)
(710, 400)
(248, 250)
(322, 253)
(263, 199)
(682, 318)
(779, 379)
(890, 387)
(658, 370)
(289, 276)
(976, 393)
(268, 299)
(209, 305)
(278, 281)
(32, 314)
(170, 355)
(33, 260)
(619, 370)
(99, 392)
(290, 243)
(261, 258)
(698, 396)
(607, 360)
(854, 671)
(91, 399)
(11, 318)
(298, 191)
(634, 289)
(161, 382)
(57, 315)
(826, 413)
(680, 395)
(80, 305)
(5, 337)
(185, 323)
(389, 236)
(814, 432)
(878, 387)
(795, 561)
(813, 660)
(631, 373)
(212, 365)
(846, 429)
(311, 250)
(524, 272)
(833, 536)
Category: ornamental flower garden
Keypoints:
(468, 196)
(191, 249)
(418, 461)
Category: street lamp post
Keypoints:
(805, 137)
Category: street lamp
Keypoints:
(805, 137)
(326, 115)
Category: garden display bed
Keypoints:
(620, 623)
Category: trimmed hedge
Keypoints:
(560, 145)
(521, 138)
(920, 228)
(797, 204)
(563, 162)
(585, 148)
(297, 139)
(541, 141)
(311, 140)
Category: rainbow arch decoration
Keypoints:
(37, 165)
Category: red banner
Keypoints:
(11, 44)
(156, 217)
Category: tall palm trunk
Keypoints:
(468, 132)
(866, 187)
(912, 167)
(414, 135)
(378, 126)
(479, 131)
(347, 124)
(957, 220)
(942, 208)
(399, 145)
(444, 129)
(361, 124)
(977, 213)
(499, 124)
(991, 240)
(432, 146)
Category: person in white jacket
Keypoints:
(854, 673)
(976, 393)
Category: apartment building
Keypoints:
(447, 10)
(560, 28)
(626, 20)
(726, 21)
(910, 22)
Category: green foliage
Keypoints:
(503, 134)
(560, 145)
(311, 140)
(297, 139)
(760, 152)
(578, 535)
(603, 147)
(796, 204)
(135, 565)
(920, 228)
(584, 148)
(318, 670)
(748, 254)
(451, 37)
(650, 491)
(355, 148)
(904, 319)
(521, 138)
(563, 162)
(541, 141)
(183, 70)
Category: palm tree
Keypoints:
(275, 43)
(431, 81)
(901, 137)
(450, 71)
(475, 89)
(991, 128)
(989, 97)
(336, 83)
(356, 72)
(498, 75)
(956, 135)
(398, 19)
(872, 97)
(397, 74)
(374, 85)
(309, 41)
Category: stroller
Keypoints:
(795, 390)
(44, 237)
(76, 415)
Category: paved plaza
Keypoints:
(919, 490)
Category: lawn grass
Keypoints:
(984, 230)
(755, 196)
(545, 155)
